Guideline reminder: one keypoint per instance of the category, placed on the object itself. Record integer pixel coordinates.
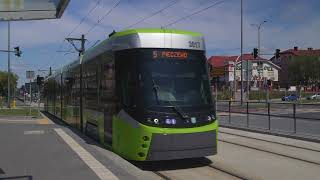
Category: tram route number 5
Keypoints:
(193, 44)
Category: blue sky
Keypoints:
(290, 23)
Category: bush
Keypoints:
(259, 95)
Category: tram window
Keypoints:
(128, 85)
(126, 75)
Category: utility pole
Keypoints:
(241, 55)
(81, 53)
(9, 71)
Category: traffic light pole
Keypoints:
(241, 55)
(30, 91)
(9, 71)
(18, 53)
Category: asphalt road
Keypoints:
(304, 127)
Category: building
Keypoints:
(227, 69)
(291, 55)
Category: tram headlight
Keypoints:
(156, 121)
(153, 121)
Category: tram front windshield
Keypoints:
(173, 77)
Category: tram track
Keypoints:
(162, 175)
(225, 166)
(227, 172)
(166, 175)
(279, 153)
(264, 140)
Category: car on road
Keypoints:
(291, 97)
(313, 97)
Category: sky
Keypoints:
(289, 23)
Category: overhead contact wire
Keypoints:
(195, 13)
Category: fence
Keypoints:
(293, 119)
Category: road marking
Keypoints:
(101, 171)
(17, 121)
(33, 132)
(44, 121)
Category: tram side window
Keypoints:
(126, 87)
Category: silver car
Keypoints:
(315, 96)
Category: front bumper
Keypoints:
(180, 146)
(135, 141)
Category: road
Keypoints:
(245, 155)
(281, 117)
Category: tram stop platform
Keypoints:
(37, 149)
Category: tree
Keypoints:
(304, 71)
(4, 83)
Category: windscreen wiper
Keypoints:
(155, 88)
(178, 110)
(174, 106)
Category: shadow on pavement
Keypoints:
(172, 164)
(76, 131)
(149, 166)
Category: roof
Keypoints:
(219, 61)
(302, 52)
(149, 30)
(149, 38)
(143, 38)
(17, 10)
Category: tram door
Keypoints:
(107, 97)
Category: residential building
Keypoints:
(228, 71)
(291, 55)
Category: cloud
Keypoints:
(290, 23)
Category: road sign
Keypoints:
(30, 74)
(13, 10)
(218, 71)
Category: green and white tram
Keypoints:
(143, 92)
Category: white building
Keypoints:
(260, 70)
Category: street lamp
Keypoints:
(259, 50)
(259, 28)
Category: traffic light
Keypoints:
(277, 53)
(255, 53)
(17, 51)
(40, 80)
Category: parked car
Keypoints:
(291, 97)
(313, 97)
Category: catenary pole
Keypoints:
(81, 53)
